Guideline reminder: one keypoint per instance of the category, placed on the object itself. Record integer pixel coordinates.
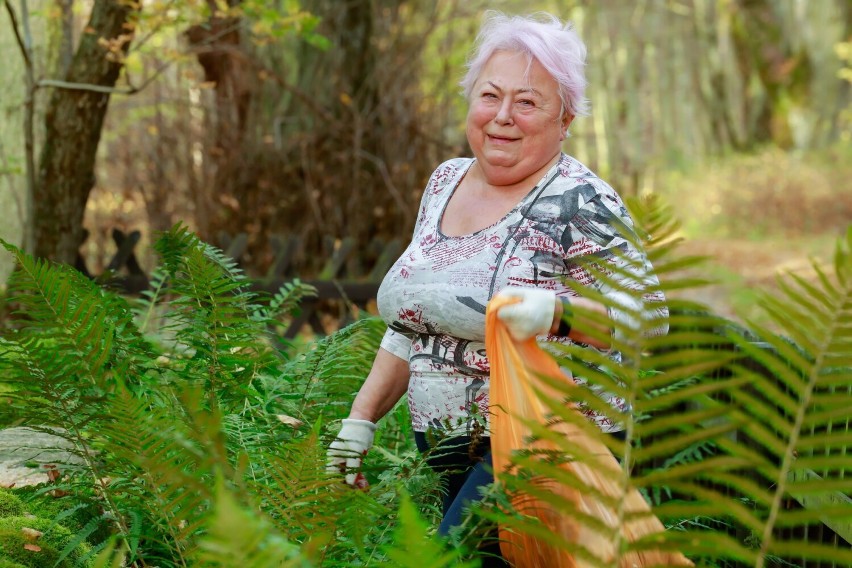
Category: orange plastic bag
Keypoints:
(515, 371)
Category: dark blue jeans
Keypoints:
(465, 466)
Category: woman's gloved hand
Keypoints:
(532, 315)
(346, 452)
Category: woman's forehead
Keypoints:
(517, 71)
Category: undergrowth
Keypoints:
(200, 442)
(200, 429)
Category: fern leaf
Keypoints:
(412, 548)
(236, 537)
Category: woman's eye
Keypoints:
(489, 96)
(526, 103)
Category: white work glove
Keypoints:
(349, 448)
(532, 315)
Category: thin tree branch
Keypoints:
(18, 37)
(142, 40)
(25, 26)
(383, 170)
(132, 90)
(57, 84)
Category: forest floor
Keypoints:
(741, 268)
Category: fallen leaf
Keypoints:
(289, 420)
(31, 534)
(32, 547)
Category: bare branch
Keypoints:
(55, 83)
(132, 90)
(18, 37)
(25, 26)
(383, 169)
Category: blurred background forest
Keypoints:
(324, 118)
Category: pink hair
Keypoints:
(542, 37)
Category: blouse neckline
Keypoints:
(550, 172)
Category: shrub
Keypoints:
(771, 192)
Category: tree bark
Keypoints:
(229, 65)
(73, 124)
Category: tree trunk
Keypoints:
(73, 125)
(783, 70)
(229, 65)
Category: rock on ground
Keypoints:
(25, 452)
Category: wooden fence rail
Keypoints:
(348, 278)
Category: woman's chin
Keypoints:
(499, 159)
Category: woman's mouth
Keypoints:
(500, 139)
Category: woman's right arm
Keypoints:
(388, 378)
(385, 385)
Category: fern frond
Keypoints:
(306, 505)
(413, 548)
(285, 300)
(329, 374)
(162, 465)
(237, 537)
(93, 329)
(766, 409)
(212, 316)
(145, 307)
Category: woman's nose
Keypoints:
(504, 113)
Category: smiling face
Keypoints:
(515, 123)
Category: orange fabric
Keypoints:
(515, 371)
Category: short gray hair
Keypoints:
(542, 37)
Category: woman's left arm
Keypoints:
(608, 245)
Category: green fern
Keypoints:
(737, 437)
(774, 412)
(238, 537)
(411, 547)
(176, 429)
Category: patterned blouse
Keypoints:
(433, 298)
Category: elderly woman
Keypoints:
(515, 219)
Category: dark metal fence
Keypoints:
(349, 277)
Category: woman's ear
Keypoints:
(567, 119)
